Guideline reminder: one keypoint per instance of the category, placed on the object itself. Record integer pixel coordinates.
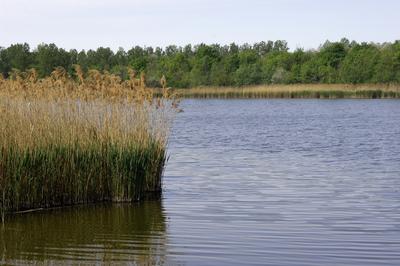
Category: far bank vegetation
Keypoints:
(215, 65)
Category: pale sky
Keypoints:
(88, 24)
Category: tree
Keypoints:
(280, 46)
(49, 56)
(204, 58)
(101, 59)
(16, 56)
(333, 54)
(388, 66)
(250, 74)
(137, 58)
(359, 64)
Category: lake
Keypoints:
(248, 182)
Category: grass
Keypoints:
(325, 91)
(66, 141)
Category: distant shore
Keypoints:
(323, 91)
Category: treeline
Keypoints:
(215, 65)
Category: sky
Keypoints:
(88, 24)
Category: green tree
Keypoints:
(359, 64)
(388, 66)
(16, 56)
(137, 58)
(49, 56)
(204, 58)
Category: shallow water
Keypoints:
(268, 182)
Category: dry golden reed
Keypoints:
(329, 91)
(67, 140)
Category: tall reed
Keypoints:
(324, 91)
(66, 140)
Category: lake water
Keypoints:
(248, 182)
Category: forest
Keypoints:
(269, 62)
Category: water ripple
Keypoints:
(280, 182)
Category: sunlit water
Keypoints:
(267, 182)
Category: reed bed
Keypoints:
(325, 91)
(71, 140)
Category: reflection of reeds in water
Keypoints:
(65, 141)
(102, 233)
(325, 91)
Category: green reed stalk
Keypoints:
(58, 175)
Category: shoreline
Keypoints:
(293, 91)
